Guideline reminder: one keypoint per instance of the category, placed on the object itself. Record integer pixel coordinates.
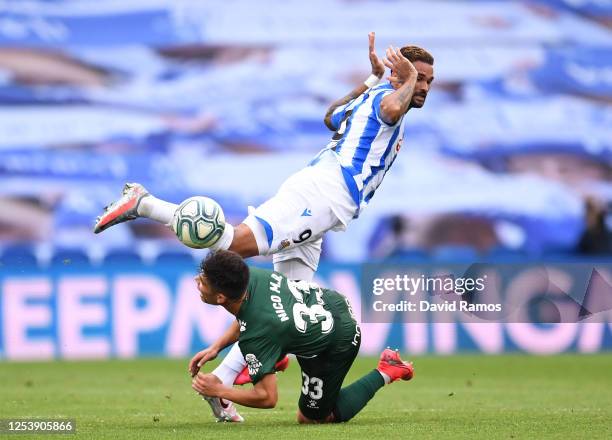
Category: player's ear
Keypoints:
(221, 298)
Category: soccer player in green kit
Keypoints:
(276, 316)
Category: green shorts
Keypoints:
(322, 376)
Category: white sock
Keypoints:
(385, 377)
(231, 366)
(226, 239)
(294, 269)
(156, 209)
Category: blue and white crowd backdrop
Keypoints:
(188, 97)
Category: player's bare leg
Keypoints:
(244, 243)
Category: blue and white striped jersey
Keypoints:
(364, 144)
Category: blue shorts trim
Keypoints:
(268, 229)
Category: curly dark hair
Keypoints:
(416, 53)
(226, 272)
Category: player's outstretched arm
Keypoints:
(210, 353)
(403, 78)
(263, 395)
(378, 70)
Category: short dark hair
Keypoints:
(226, 272)
(416, 53)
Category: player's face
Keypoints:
(424, 79)
(206, 293)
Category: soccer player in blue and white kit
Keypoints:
(326, 195)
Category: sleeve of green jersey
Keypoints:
(260, 354)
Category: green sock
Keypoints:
(356, 396)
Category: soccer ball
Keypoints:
(199, 222)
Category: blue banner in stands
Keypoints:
(581, 71)
(593, 8)
(71, 28)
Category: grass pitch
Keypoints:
(516, 396)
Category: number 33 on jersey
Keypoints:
(278, 313)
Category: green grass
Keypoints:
(517, 396)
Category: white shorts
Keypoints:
(307, 205)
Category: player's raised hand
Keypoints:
(395, 80)
(401, 67)
(378, 68)
(200, 358)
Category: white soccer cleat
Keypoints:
(224, 410)
(123, 209)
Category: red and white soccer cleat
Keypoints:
(123, 209)
(244, 377)
(392, 365)
(224, 410)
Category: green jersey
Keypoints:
(280, 316)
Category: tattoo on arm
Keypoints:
(405, 95)
(400, 98)
(356, 92)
